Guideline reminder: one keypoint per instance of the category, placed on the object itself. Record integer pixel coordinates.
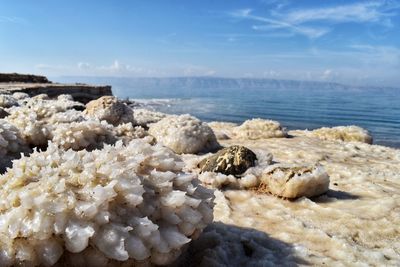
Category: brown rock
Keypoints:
(3, 113)
(233, 160)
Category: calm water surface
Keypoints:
(376, 110)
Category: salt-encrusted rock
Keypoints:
(110, 109)
(7, 101)
(120, 205)
(87, 135)
(293, 181)
(342, 133)
(248, 180)
(144, 117)
(11, 144)
(3, 113)
(259, 129)
(233, 160)
(184, 134)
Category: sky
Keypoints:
(352, 42)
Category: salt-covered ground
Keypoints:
(356, 223)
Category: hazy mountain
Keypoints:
(210, 83)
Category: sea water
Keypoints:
(377, 110)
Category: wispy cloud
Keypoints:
(275, 24)
(375, 11)
(302, 21)
(12, 19)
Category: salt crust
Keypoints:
(11, 144)
(184, 134)
(123, 203)
(341, 133)
(259, 129)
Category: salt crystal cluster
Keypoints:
(29, 123)
(110, 109)
(259, 129)
(127, 132)
(11, 144)
(119, 205)
(342, 133)
(184, 134)
(88, 135)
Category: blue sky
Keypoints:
(354, 42)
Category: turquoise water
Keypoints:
(305, 106)
(376, 110)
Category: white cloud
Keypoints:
(376, 11)
(299, 21)
(275, 24)
(197, 71)
(12, 19)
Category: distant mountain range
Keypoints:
(212, 82)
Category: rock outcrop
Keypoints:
(35, 85)
(22, 78)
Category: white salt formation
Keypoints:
(7, 101)
(184, 134)
(123, 205)
(32, 128)
(11, 144)
(341, 133)
(127, 132)
(20, 95)
(222, 130)
(110, 109)
(144, 117)
(248, 180)
(259, 129)
(87, 135)
(293, 181)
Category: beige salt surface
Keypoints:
(356, 223)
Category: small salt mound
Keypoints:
(65, 97)
(259, 129)
(11, 144)
(20, 95)
(293, 181)
(7, 101)
(144, 117)
(342, 133)
(123, 204)
(184, 134)
(127, 132)
(87, 135)
(110, 109)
